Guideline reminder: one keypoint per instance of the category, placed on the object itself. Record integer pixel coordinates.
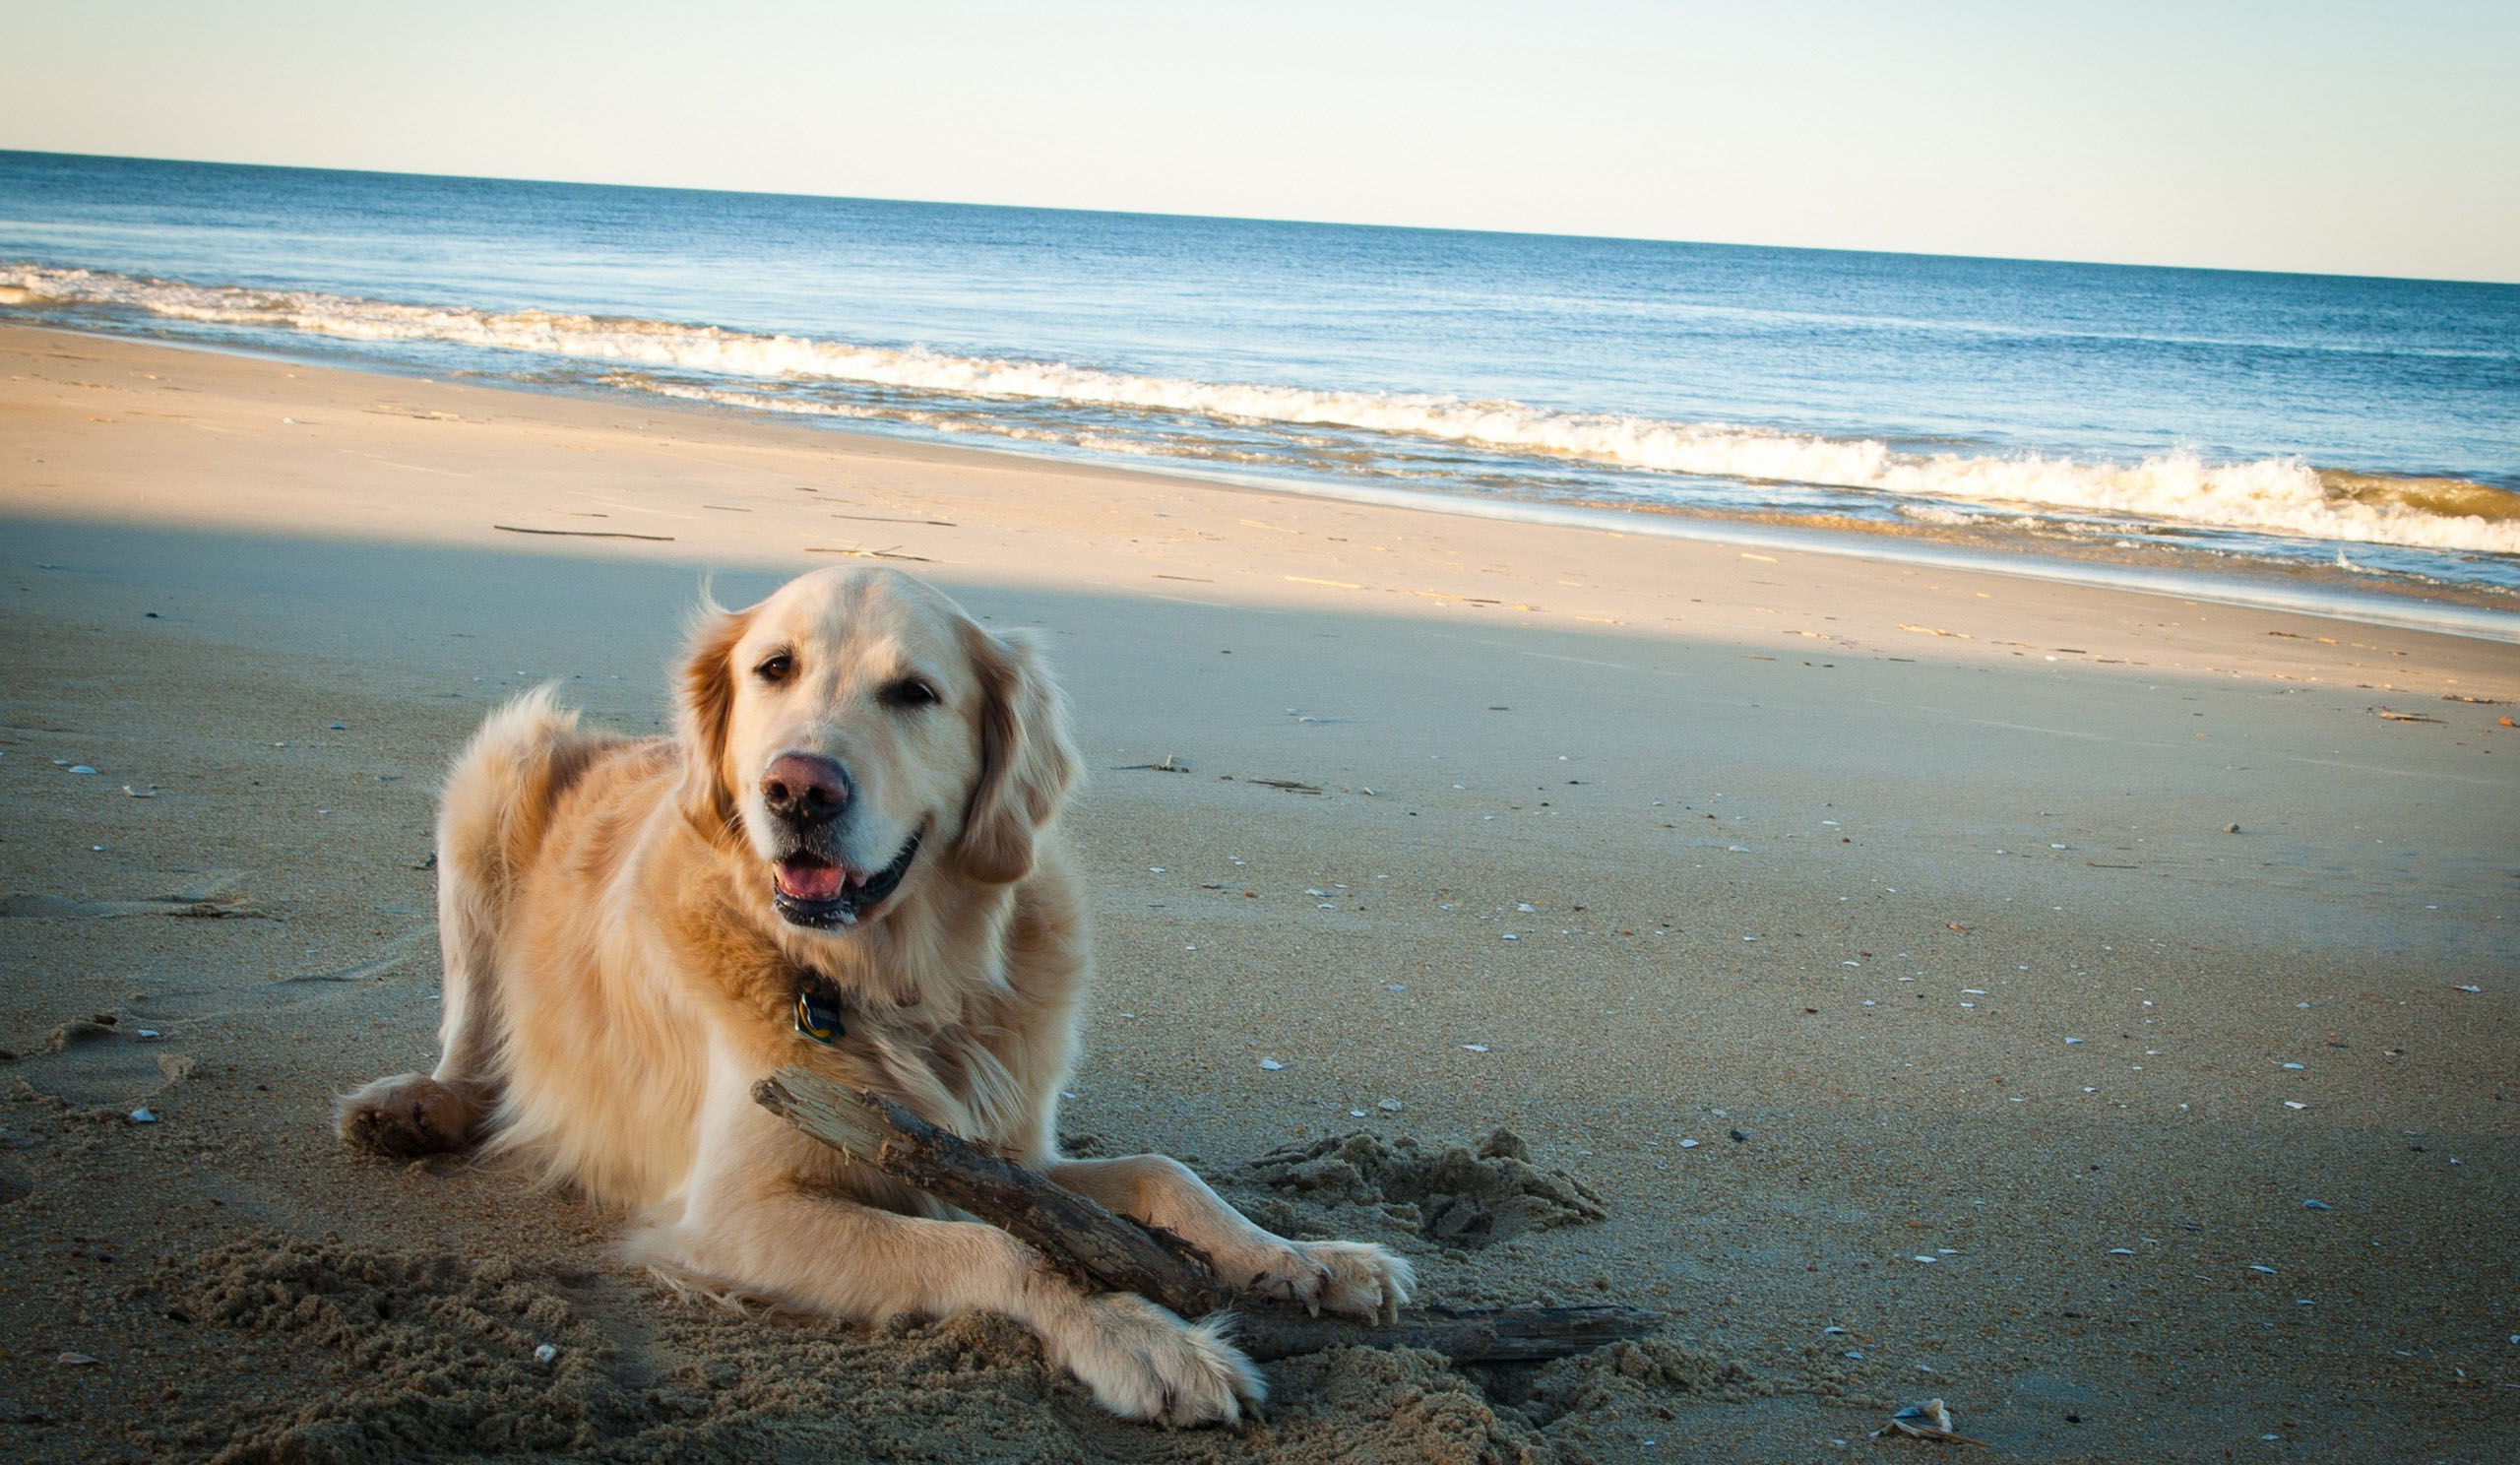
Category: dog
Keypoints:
(845, 857)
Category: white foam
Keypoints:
(2273, 495)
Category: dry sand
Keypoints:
(1880, 953)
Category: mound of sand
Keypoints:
(443, 1353)
(431, 1356)
(1459, 1195)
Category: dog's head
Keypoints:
(864, 739)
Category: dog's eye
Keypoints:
(778, 667)
(909, 691)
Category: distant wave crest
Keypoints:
(2274, 496)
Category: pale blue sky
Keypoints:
(2357, 138)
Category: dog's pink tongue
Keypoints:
(810, 879)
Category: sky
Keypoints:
(2369, 139)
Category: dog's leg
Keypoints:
(1355, 1279)
(749, 1221)
(404, 1116)
(492, 812)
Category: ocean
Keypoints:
(2260, 419)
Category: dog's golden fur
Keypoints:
(624, 950)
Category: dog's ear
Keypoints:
(1027, 762)
(705, 703)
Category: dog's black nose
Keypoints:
(804, 788)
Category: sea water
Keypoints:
(2294, 417)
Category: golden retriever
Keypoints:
(847, 856)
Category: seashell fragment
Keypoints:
(1930, 1419)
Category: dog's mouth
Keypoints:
(816, 891)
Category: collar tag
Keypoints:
(818, 1018)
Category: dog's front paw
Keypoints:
(404, 1117)
(1144, 1363)
(1351, 1279)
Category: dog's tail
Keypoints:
(493, 817)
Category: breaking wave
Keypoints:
(2284, 497)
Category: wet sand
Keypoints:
(1882, 952)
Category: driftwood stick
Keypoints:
(1481, 1335)
(1104, 1251)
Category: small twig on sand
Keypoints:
(586, 533)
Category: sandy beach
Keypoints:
(2093, 1009)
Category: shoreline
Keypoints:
(1951, 984)
(1202, 538)
(2232, 578)
(2307, 590)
